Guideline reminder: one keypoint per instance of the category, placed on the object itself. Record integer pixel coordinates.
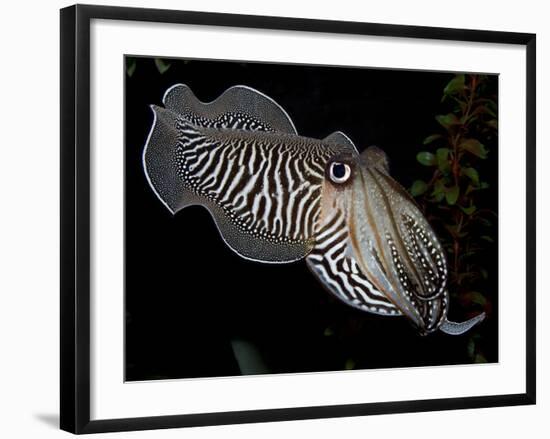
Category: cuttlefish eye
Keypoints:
(339, 172)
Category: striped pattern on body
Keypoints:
(268, 184)
(333, 263)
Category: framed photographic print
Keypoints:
(268, 218)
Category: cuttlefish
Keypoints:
(278, 197)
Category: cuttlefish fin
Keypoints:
(453, 328)
(340, 139)
(239, 107)
(158, 161)
(185, 166)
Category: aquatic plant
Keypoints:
(160, 64)
(455, 196)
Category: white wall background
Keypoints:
(29, 248)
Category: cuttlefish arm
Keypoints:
(453, 328)
(376, 251)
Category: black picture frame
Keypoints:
(75, 217)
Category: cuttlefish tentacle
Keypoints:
(279, 197)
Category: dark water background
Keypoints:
(196, 309)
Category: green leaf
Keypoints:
(487, 238)
(452, 195)
(472, 174)
(426, 158)
(248, 357)
(485, 222)
(431, 138)
(131, 64)
(492, 108)
(468, 210)
(329, 332)
(493, 123)
(447, 120)
(350, 364)
(469, 190)
(475, 147)
(470, 348)
(439, 190)
(464, 120)
(442, 155)
(484, 185)
(418, 188)
(162, 66)
(439, 186)
(477, 297)
(479, 358)
(455, 85)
